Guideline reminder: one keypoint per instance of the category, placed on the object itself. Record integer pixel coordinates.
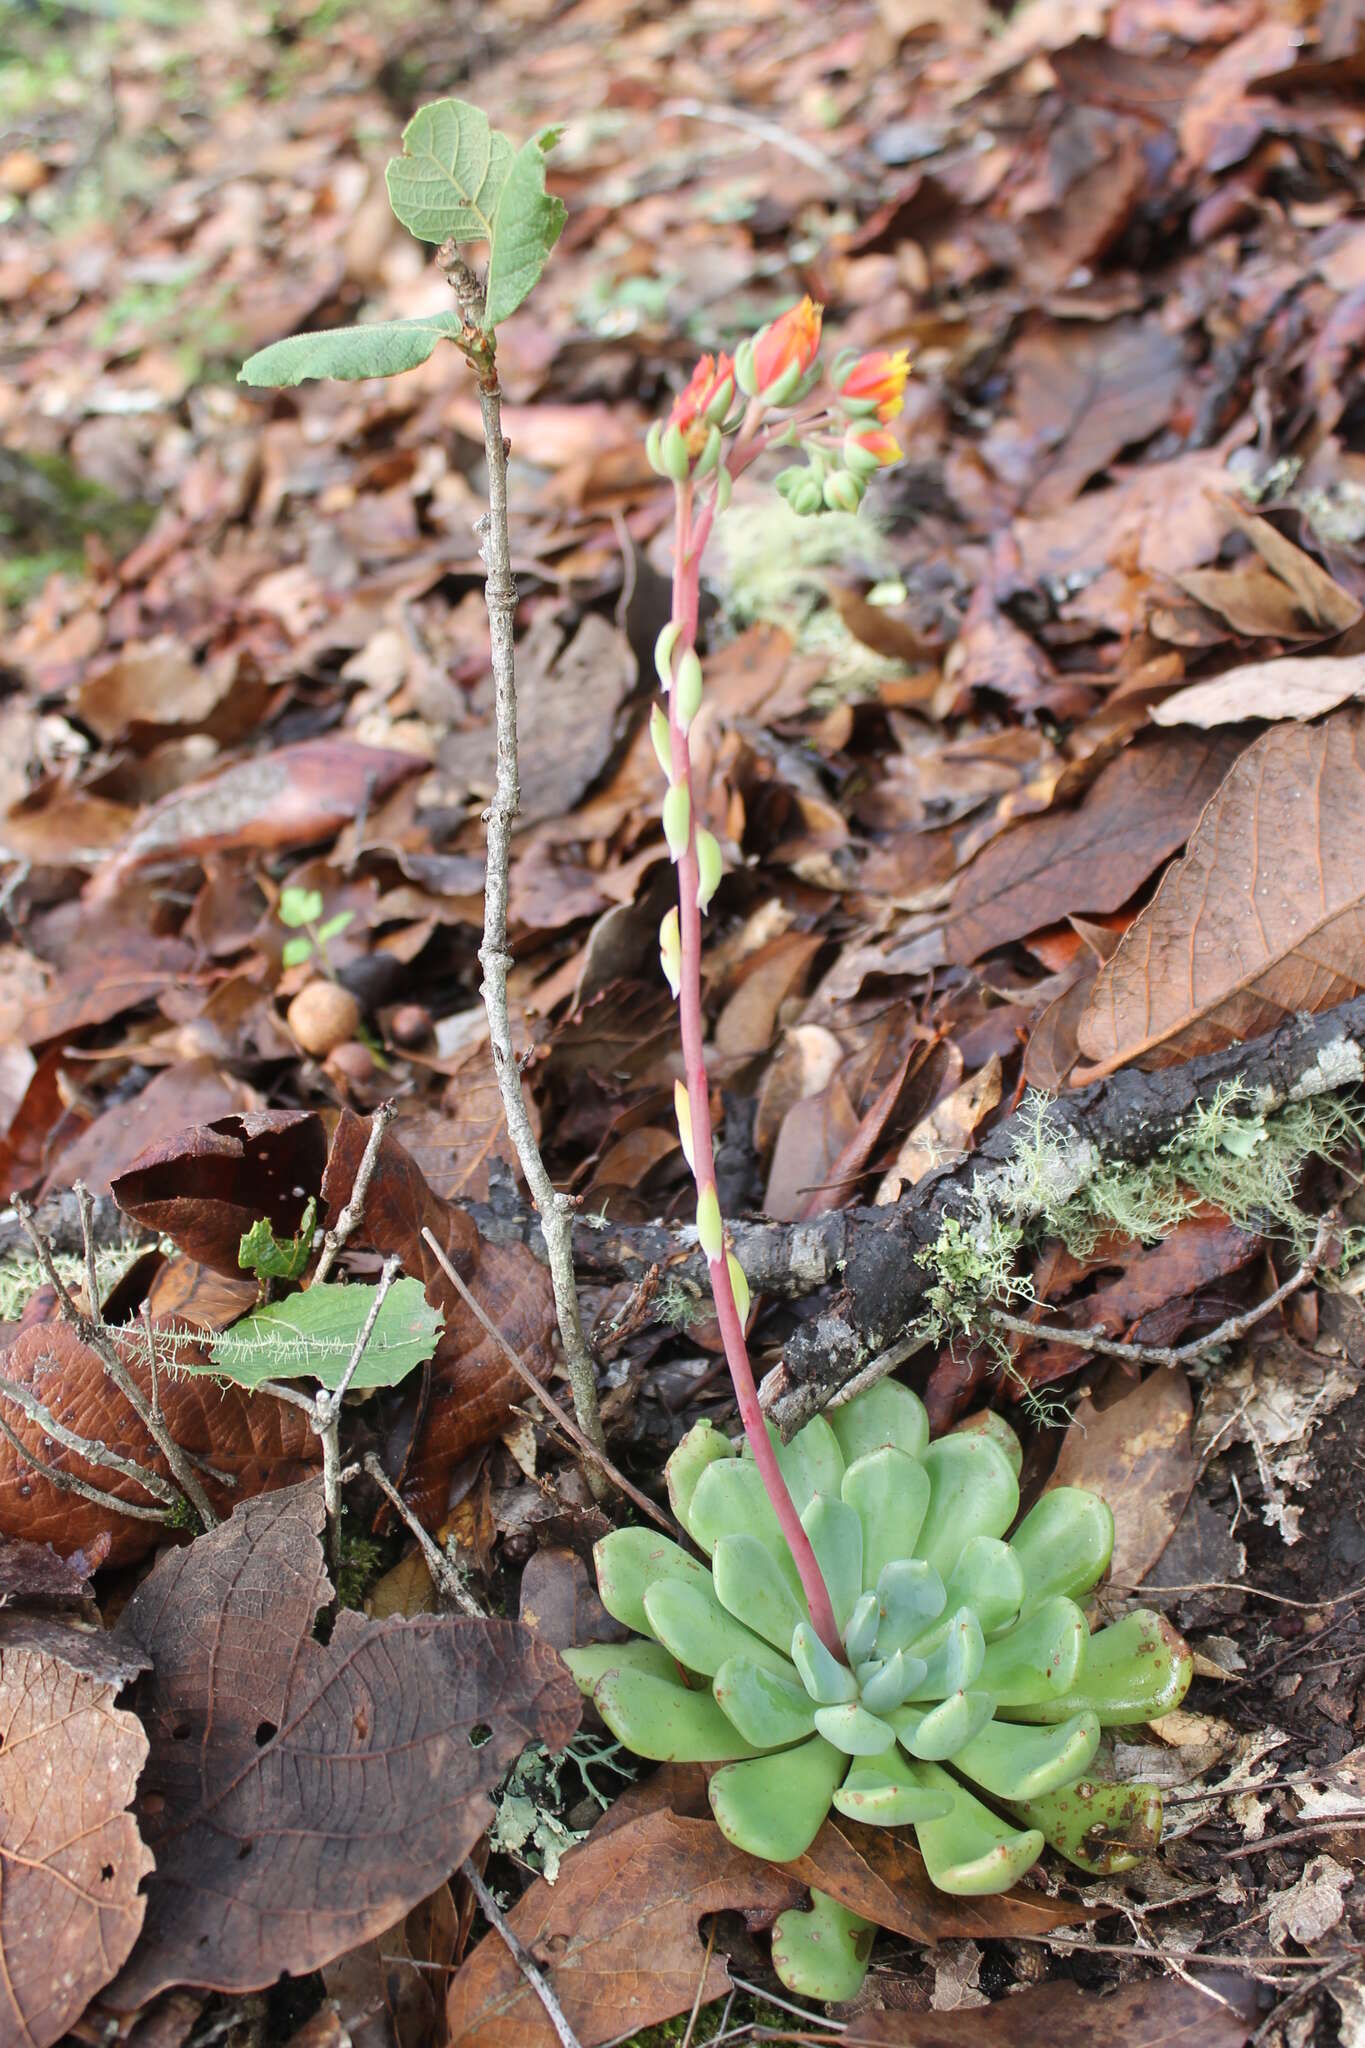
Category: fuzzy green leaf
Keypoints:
(380, 349)
(459, 177)
(312, 1335)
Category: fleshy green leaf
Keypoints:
(690, 1621)
(592, 1661)
(1103, 1828)
(836, 1537)
(1011, 1762)
(662, 1720)
(937, 1736)
(972, 1492)
(1063, 1544)
(773, 1806)
(462, 178)
(768, 1710)
(702, 1445)
(630, 1561)
(887, 1413)
(750, 1584)
(884, 1791)
(822, 1953)
(1038, 1662)
(890, 1492)
(380, 349)
(1135, 1670)
(970, 1852)
(312, 1335)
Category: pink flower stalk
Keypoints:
(690, 539)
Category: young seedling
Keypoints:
(300, 910)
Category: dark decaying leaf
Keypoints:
(34, 1575)
(71, 1859)
(206, 1186)
(1092, 857)
(1162, 2012)
(300, 1797)
(1264, 916)
(256, 1442)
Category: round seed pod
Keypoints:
(323, 1016)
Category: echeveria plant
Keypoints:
(970, 1696)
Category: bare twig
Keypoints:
(326, 1409)
(500, 596)
(597, 1458)
(94, 1452)
(449, 1585)
(93, 1333)
(808, 153)
(337, 1236)
(493, 1914)
(67, 1482)
(1176, 1354)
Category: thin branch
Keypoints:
(326, 1409)
(94, 1452)
(449, 1584)
(93, 1333)
(1177, 1354)
(500, 597)
(67, 1482)
(493, 1914)
(335, 1238)
(596, 1457)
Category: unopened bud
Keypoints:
(654, 448)
(670, 951)
(710, 1228)
(740, 1286)
(843, 492)
(682, 1109)
(783, 389)
(710, 454)
(658, 733)
(663, 652)
(710, 866)
(801, 489)
(725, 484)
(687, 688)
(673, 453)
(744, 367)
(677, 819)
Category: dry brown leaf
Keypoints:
(942, 1137)
(1296, 686)
(300, 1796)
(1158, 2012)
(1264, 916)
(617, 1935)
(1136, 1455)
(1139, 809)
(71, 1858)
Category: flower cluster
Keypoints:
(970, 1694)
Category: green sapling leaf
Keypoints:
(380, 349)
(312, 1335)
(299, 906)
(459, 177)
(295, 951)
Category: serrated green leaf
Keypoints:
(311, 1336)
(381, 349)
(458, 177)
(295, 951)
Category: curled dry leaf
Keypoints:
(71, 1859)
(299, 1796)
(1296, 686)
(206, 1186)
(1264, 916)
(256, 1443)
(1139, 809)
(617, 1935)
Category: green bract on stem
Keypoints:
(774, 369)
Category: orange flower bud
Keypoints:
(870, 448)
(793, 339)
(704, 402)
(877, 382)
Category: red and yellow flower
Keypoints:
(868, 449)
(705, 401)
(780, 354)
(876, 384)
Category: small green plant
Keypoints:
(300, 910)
(529, 1818)
(262, 1253)
(968, 1696)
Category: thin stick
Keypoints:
(326, 1414)
(1177, 1354)
(500, 597)
(334, 1239)
(594, 1455)
(67, 1482)
(701, 1983)
(93, 1452)
(449, 1584)
(93, 1333)
(493, 1914)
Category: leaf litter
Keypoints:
(1049, 770)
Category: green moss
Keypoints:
(361, 1560)
(770, 569)
(1230, 1153)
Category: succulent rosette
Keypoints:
(971, 1697)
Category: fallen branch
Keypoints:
(872, 1255)
(529, 1968)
